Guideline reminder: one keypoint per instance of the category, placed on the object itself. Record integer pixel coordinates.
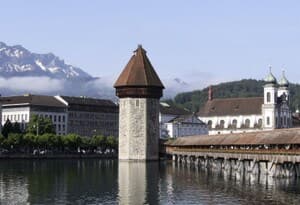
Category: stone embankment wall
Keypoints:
(274, 165)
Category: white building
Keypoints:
(236, 115)
(21, 108)
(78, 115)
(176, 122)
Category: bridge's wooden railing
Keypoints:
(237, 151)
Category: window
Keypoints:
(137, 102)
(63, 118)
(59, 118)
(247, 123)
(209, 124)
(259, 122)
(268, 120)
(54, 118)
(268, 96)
(222, 122)
(234, 123)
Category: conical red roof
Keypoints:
(139, 72)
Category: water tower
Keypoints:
(139, 89)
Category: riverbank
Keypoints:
(59, 156)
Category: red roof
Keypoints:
(139, 72)
(232, 106)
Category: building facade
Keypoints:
(78, 115)
(237, 115)
(20, 109)
(177, 122)
(91, 116)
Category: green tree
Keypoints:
(99, 141)
(16, 128)
(43, 141)
(71, 141)
(39, 125)
(7, 128)
(1, 140)
(56, 142)
(112, 142)
(29, 141)
(14, 141)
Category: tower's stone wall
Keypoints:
(139, 129)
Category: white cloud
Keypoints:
(34, 84)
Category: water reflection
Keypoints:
(109, 182)
(138, 182)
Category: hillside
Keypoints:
(243, 88)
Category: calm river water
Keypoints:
(92, 181)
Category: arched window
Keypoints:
(268, 96)
(247, 123)
(209, 124)
(259, 123)
(234, 123)
(222, 122)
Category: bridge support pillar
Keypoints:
(174, 157)
(179, 159)
(297, 169)
(227, 165)
(196, 162)
(263, 167)
(254, 167)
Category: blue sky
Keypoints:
(201, 42)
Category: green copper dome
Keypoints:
(283, 81)
(270, 78)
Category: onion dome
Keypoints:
(283, 82)
(139, 79)
(270, 79)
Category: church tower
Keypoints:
(284, 87)
(139, 89)
(270, 100)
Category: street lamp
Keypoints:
(37, 128)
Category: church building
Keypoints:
(237, 115)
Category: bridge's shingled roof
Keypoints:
(231, 106)
(280, 136)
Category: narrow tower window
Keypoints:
(268, 120)
(268, 96)
(137, 103)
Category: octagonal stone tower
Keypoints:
(139, 89)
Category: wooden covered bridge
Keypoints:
(275, 153)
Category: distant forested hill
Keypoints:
(243, 88)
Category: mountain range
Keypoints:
(22, 71)
(18, 61)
